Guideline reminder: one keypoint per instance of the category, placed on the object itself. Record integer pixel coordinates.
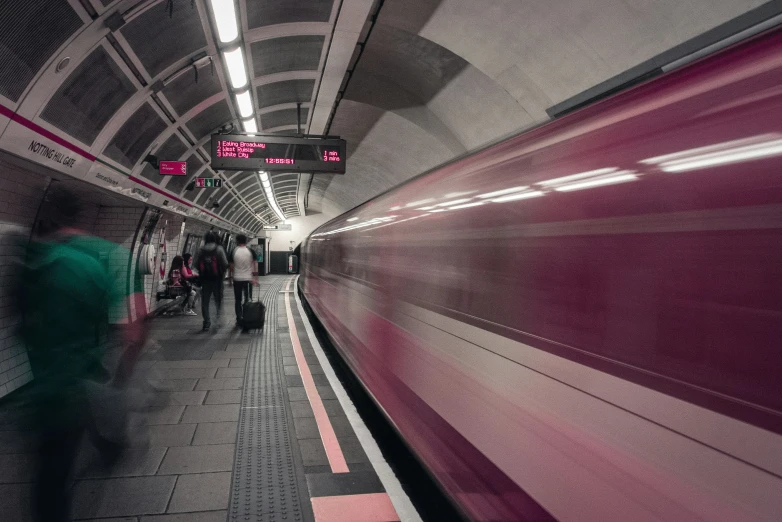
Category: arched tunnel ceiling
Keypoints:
(435, 79)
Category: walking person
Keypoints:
(243, 273)
(68, 290)
(212, 264)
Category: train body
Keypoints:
(584, 322)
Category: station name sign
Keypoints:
(278, 154)
(284, 226)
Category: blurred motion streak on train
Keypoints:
(584, 322)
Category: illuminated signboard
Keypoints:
(209, 182)
(278, 153)
(173, 168)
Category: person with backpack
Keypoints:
(243, 273)
(212, 264)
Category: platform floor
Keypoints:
(245, 426)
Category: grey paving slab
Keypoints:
(18, 442)
(333, 407)
(306, 428)
(15, 502)
(215, 433)
(316, 369)
(230, 354)
(289, 361)
(207, 363)
(224, 397)
(223, 373)
(183, 373)
(326, 393)
(121, 497)
(297, 393)
(198, 459)
(181, 398)
(293, 381)
(301, 409)
(352, 450)
(123, 519)
(313, 453)
(291, 370)
(171, 435)
(342, 427)
(211, 516)
(164, 415)
(211, 413)
(18, 467)
(320, 380)
(220, 384)
(134, 462)
(174, 384)
(237, 363)
(201, 492)
(338, 484)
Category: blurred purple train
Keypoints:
(584, 322)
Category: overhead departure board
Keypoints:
(278, 154)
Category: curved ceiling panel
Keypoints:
(290, 91)
(211, 118)
(133, 138)
(160, 40)
(90, 96)
(288, 53)
(261, 13)
(178, 183)
(283, 117)
(30, 33)
(185, 92)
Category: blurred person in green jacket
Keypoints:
(68, 291)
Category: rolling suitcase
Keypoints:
(253, 315)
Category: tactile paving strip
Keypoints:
(265, 486)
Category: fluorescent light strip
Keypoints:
(611, 180)
(459, 194)
(574, 177)
(502, 192)
(245, 104)
(225, 19)
(352, 219)
(250, 125)
(234, 61)
(516, 197)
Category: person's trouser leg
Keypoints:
(206, 294)
(217, 290)
(238, 285)
(57, 452)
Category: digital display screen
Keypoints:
(278, 153)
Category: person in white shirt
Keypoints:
(243, 271)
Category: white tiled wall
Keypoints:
(19, 201)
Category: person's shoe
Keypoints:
(206, 327)
(190, 312)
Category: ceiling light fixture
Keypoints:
(263, 177)
(245, 104)
(250, 125)
(225, 17)
(454, 202)
(234, 61)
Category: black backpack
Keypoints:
(208, 265)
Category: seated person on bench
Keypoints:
(177, 283)
(191, 277)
